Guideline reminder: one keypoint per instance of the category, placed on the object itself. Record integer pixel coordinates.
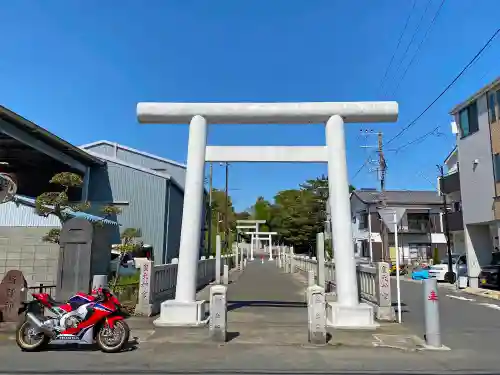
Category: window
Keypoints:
(498, 104)
(365, 249)
(462, 260)
(496, 167)
(363, 221)
(468, 120)
(419, 222)
(491, 106)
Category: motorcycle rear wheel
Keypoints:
(123, 331)
(22, 331)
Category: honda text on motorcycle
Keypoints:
(84, 319)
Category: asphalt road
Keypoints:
(467, 322)
(471, 328)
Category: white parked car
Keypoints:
(459, 267)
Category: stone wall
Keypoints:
(22, 248)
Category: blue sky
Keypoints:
(78, 68)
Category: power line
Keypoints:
(418, 139)
(472, 61)
(362, 167)
(368, 160)
(397, 46)
(414, 121)
(429, 2)
(433, 21)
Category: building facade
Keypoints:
(478, 149)
(450, 186)
(31, 155)
(420, 229)
(149, 189)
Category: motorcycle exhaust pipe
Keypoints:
(37, 322)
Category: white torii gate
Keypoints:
(184, 309)
(250, 224)
(266, 236)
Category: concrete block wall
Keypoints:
(22, 248)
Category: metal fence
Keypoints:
(50, 289)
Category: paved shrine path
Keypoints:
(265, 302)
(265, 294)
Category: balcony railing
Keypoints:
(450, 183)
(455, 221)
(421, 226)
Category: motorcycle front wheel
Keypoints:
(29, 339)
(113, 340)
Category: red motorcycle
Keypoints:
(83, 319)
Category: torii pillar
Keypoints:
(347, 312)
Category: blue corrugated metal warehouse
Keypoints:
(149, 190)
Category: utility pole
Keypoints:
(379, 165)
(210, 216)
(450, 275)
(382, 166)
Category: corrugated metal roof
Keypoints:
(14, 214)
(48, 137)
(20, 199)
(133, 150)
(93, 218)
(400, 196)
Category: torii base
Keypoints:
(182, 314)
(350, 317)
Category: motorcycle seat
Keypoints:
(56, 303)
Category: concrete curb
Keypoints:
(492, 294)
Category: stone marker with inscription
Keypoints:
(316, 312)
(13, 291)
(384, 310)
(218, 313)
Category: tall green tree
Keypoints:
(296, 214)
(218, 216)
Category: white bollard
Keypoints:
(310, 278)
(320, 252)
(217, 259)
(245, 263)
(431, 309)
(237, 261)
(226, 275)
(218, 313)
(293, 266)
(316, 312)
(99, 281)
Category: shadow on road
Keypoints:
(231, 336)
(233, 305)
(404, 308)
(132, 345)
